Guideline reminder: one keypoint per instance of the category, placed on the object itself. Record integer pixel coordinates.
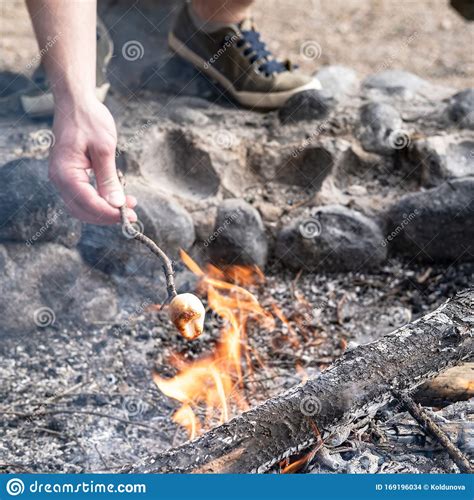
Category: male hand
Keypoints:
(85, 139)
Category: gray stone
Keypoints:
(96, 299)
(48, 286)
(435, 225)
(443, 157)
(395, 82)
(32, 210)
(12, 85)
(204, 220)
(340, 81)
(185, 116)
(306, 106)
(334, 238)
(461, 108)
(269, 211)
(306, 164)
(163, 220)
(381, 129)
(184, 168)
(239, 235)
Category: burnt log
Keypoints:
(355, 386)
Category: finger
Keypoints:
(108, 183)
(83, 212)
(78, 193)
(131, 201)
(85, 201)
(76, 210)
(131, 215)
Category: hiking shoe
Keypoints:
(239, 61)
(39, 102)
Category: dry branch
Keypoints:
(130, 232)
(356, 385)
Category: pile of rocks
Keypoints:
(338, 180)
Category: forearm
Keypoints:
(84, 129)
(68, 29)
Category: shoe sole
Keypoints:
(258, 100)
(42, 105)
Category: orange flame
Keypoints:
(288, 467)
(217, 380)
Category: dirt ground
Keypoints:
(425, 37)
(83, 400)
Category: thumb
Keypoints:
(108, 183)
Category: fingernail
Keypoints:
(116, 198)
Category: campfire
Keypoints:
(325, 415)
(221, 382)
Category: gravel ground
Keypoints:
(83, 400)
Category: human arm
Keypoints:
(83, 128)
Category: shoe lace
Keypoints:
(257, 51)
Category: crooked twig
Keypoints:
(131, 232)
(430, 426)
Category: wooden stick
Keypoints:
(131, 232)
